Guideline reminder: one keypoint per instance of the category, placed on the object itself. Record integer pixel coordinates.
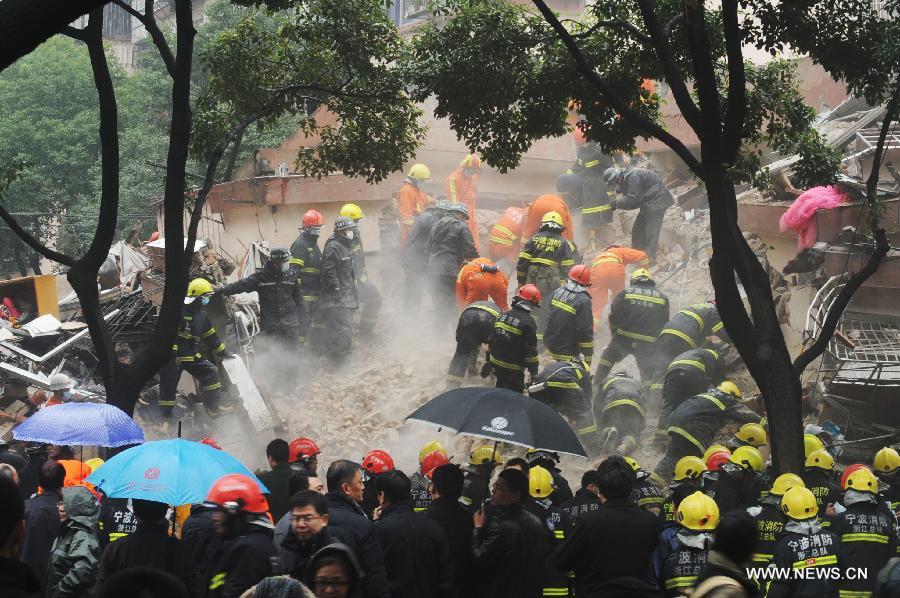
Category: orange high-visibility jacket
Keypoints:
(472, 284)
(464, 190)
(608, 275)
(411, 202)
(536, 210)
(506, 236)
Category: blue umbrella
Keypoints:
(175, 472)
(80, 424)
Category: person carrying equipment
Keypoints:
(608, 275)
(512, 347)
(688, 472)
(541, 489)
(566, 386)
(306, 257)
(482, 461)
(584, 186)
(545, 258)
(449, 246)
(549, 461)
(505, 238)
(620, 409)
(479, 280)
(475, 326)
(462, 187)
(369, 296)
(415, 255)
(770, 519)
(640, 190)
(689, 374)
(535, 211)
(698, 517)
(694, 423)
(636, 316)
(411, 199)
(688, 329)
(570, 330)
(339, 291)
(198, 351)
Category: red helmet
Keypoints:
(530, 293)
(432, 461)
(313, 218)
(377, 461)
(235, 493)
(211, 442)
(716, 460)
(850, 469)
(581, 274)
(302, 447)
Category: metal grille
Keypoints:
(876, 342)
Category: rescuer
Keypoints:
(642, 190)
(339, 292)
(462, 187)
(306, 257)
(620, 409)
(449, 246)
(570, 331)
(479, 280)
(689, 374)
(770, 519)
(505, 238)
(415, 255)
(608, 275)
(566, 386)
(474, 329)
(512, 348)
(411, 199)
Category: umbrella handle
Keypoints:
(179, 428)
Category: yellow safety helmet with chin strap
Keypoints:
(632, 463)
(431, 447)
(747, 457)
(553, 217)
(485, 454)
(420, 172)
(199, 287)
(821, 459)
(811, 444)
(713, 449)
(799, 503)
(352, 211)
(785, 482)
(887, 460)
(689, 467)
(698, 512)
(752, 434)
(641, 274)
(730, 388)
(862, 480)
(540, 482)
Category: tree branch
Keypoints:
(32, 242)
(631, 28)
(641, 123)
(75, 33)
(148, 20)
(737, 83)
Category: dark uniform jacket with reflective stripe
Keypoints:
(196, 329)
(415, 252)
(281, 303)
(639, 313)
(566, 378)
(681, 569)
(449, 245)
(556, 582)
(306, 257)
(582, 503)
(868, 534)
(706, 361)
(646, 494)
(338, 276)
(570, 327)
(822, 484)
(802, 547)
(513, 343)
(694, 323)
(590, 160)
(619, 391)
(645, 190)
(358, 257)
(243, 562)
(701, 416)
(476, 322)
(546, 248)
(770, 522)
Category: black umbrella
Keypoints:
(502, 415)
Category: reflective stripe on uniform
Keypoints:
(208, 333)
(816, 562)
(592, 429)
(543, 261)
(680, 335)
(695, 316)
(647, 298)
(687, 436)
(508, 328)
(596, 209)
(555, 592)
(505, 364)
(532, 359)
(116, 536)
(587, 345)
(559, 357)
(524, 255)
(591, 163)
(217, 581)
(717, 327)
(854, 594)
(310, 270)
(310, 298)
(650, 500)
(499, 240)
(604, 363)
(762, 558)
(490, 310)
(695, 364)
(861, 537)
(558, 533)
(681, 582)
(611, 380)
(716, 401)
(563, 306)
(453, 378)
(636, 336)
(607, 260)
(628, 402)
(295, 261)
(573, 385)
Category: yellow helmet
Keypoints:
(698, 512)
(785, 482)
(641, 274)
(485, 454)
(472, 162)
(540, 482)
(821, 459)
(730, 388)
(632, 463)
(862, 480)
(689, 467)
(431, 447)
(752, 434)
(747, 457)
(199, 287)
(553, 217)
(811, 444)
(887, 460)
(799, 503)
(94, 463)
(420, 172)
(713, 449)
(352, 211)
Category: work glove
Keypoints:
(486, 369)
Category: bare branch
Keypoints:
(32, 242)
(148, 20)
(737, 83)
(75, 33)
(639, 35)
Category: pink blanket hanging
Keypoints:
(801, 216)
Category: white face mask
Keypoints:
(285, 266)
(349, 234)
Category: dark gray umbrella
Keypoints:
(501, 415)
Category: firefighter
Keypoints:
(198, 351)
(482, 461)
(512, 348)
(375, 463)
(586, 499)
(648, 489)
(411, 199)
(505, 238)
(540, 487)
(689, 374)
(642, 190)
(570, 330)
(422, 490)
(868, 532)
(608, 275)
(636, 316)
(449, 246)
(462, 187)
(475, 326)
(549, 461)
(770, 519)
(418, 480)
(479, 280)
(804, 544)
(415, 255)
(306, 257)
(566, 386)
(545, 259)
(698, 517)
(535, 211)
(688, 329)
(688, 473)
(248, 555)
(303, 456)
(748, 435)
(369, 296)
(694, 423)
(620, 409)
(339, 291)
(583, 186)
(739, 484)
(887, 464)
(818, 476)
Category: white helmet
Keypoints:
(60, 381)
